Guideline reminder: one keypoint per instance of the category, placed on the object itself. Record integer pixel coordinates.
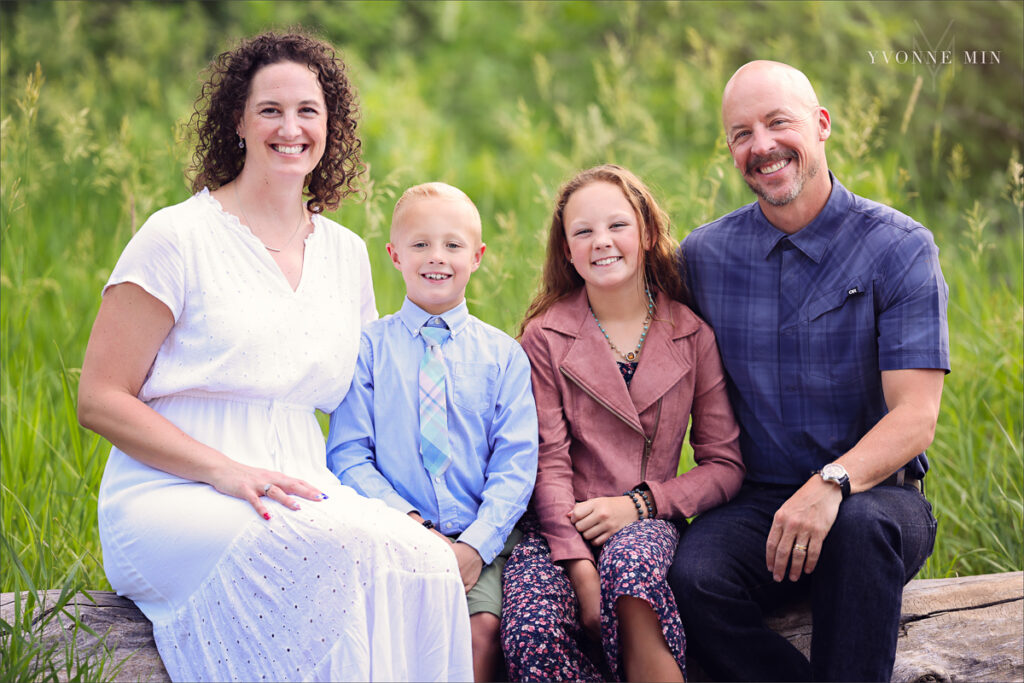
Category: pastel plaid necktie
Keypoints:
(433, 410)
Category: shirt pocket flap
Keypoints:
(474, 385)
(833, 300)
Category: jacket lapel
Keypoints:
(661, 364)
(589, 362)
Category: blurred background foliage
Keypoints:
(506, 100)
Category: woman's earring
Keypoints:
(241, 142)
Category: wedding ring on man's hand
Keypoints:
(266, 489)
(798, 546)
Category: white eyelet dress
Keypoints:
(343, 589)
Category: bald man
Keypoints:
(830, 314)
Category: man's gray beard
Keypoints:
(794, 192)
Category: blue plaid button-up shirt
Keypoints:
(806, 323)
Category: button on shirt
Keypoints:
(373, 445)
(807, 322)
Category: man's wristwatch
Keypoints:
(836, 473)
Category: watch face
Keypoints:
(833, 472)
(836, 473)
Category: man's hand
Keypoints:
(598, 519)
(799, 528)
(587, 584)
(470, 563)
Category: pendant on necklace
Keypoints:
(635, 353)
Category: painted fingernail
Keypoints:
(266, 515)
(323, 496)
(296, 506)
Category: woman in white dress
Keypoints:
(228, 320)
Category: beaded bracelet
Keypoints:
(636, 501)
(651, 510)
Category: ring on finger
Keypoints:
(800, 546)
(266, 489)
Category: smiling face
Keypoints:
(776, 133)
(603, 237)
(435, 243)
(284, 121)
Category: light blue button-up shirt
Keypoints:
(373, 445)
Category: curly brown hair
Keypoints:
(660, 263)
(217, 158)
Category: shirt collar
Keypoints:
(813, 239)
(415, 317)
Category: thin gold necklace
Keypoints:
(302, 219)
(635, 353)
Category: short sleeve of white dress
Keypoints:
(152, 260)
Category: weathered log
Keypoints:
(125, 631)
(969, 628)
(961, 629)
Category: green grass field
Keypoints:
(504, 100)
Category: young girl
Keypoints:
(619, 366)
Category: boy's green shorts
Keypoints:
(485, 596)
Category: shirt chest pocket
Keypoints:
(474, 385)
(839, 339)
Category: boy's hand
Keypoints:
(587, 584)
(470, 563)
(598, 519)
(419, 520)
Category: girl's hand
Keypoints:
(470, 564)
(251, 484)
(587, 584)
(598, 519)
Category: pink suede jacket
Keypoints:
(600, 438)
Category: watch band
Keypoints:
(844, 486)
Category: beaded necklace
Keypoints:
(635, 353)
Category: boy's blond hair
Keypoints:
(432, 190)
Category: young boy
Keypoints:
(440, 421)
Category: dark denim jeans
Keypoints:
(880, 539)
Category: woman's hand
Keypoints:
(598, 519)
(253, 484)
(587, 584)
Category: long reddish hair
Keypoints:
(659, 261)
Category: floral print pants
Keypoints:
(541, 632)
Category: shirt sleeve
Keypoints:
(714, 435)
(351, 442)
(553, 496)
(687, 267)
(912, 328)
(512, 466)
(153, 260)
